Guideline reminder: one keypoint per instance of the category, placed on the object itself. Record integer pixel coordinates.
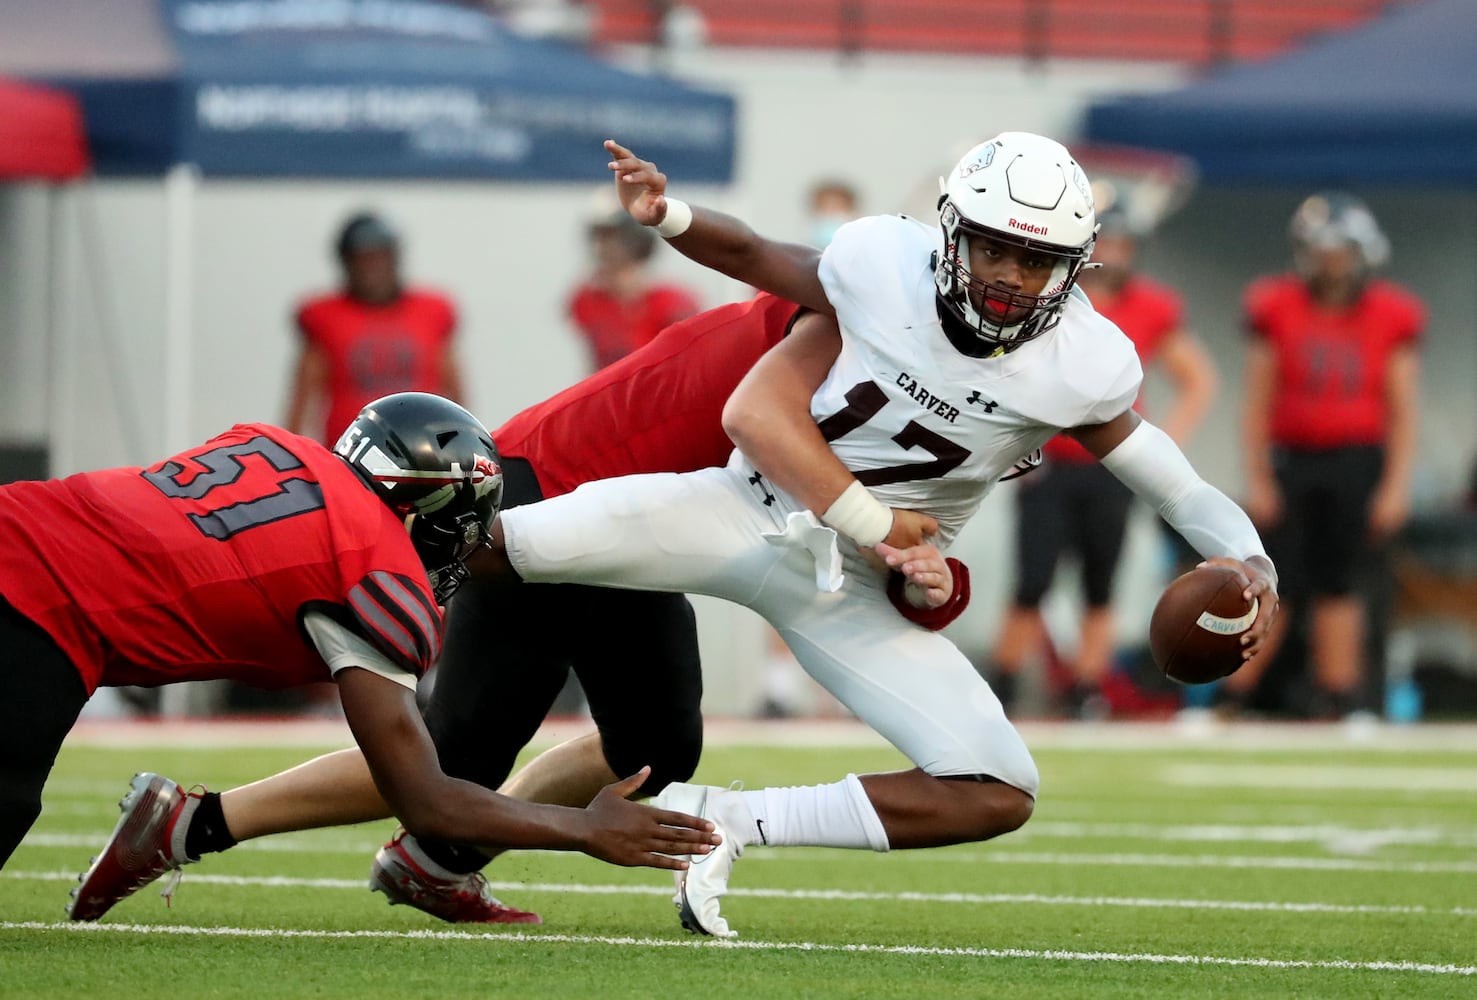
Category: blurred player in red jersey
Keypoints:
(1332, 378)
(620, 306)
(372, 337)
(1075, 505)
(261, 556)
(657, 410)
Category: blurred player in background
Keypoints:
(620, 305)
(1332, 379)
(264, 557)
(861, 451)
(833, 203)
(1074, 505)
(372, 337)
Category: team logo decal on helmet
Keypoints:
(982, 158)
(1026, 191)
(436, 467)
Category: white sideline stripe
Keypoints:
(1005, 857)
(283, 844)
(807, 946)
(1321, 777)
(1236, 737)
(1337, 838)
(838, 895)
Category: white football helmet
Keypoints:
(1331, 219)
(1022, 189)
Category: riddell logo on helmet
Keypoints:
(1027, 227)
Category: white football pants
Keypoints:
(711, 532)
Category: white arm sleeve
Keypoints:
(1152, 465)
(342, 648)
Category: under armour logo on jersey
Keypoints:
(975, 397)
(758, 480)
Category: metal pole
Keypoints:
(180, 186)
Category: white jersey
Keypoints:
(925, 427)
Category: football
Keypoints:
(1195, 632)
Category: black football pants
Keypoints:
(41, 695)
(508, 652)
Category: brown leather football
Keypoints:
(1195, 632)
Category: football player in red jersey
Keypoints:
(372, 337)
(1332, 378)
(620, 306)
(1072, 503)
(262, 556)
(656, 410)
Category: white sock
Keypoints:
(838, 815)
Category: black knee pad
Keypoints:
(671, 746)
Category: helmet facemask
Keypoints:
(446, 538)
(995, 313)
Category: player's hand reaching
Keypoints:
(640, 186)
(1262, 588)
(929, 582)
(628, 833)
(910, 528)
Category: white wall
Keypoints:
(508, 254)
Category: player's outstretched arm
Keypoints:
(715, 240)
(430, 804)
(1152, 465)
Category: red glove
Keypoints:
(933, 619)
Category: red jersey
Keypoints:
(615, 327)
(202, 566)
(1147, 312)
(1331, 362)
(374, 350)
(661, 407)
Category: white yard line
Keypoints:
(1321, 777)
(1454, 738)
(803, 946)
(838, 895)
(1334, 838)
(1337, 838)
(289, 844)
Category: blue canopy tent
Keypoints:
(1393, 101)
(371, 88)
(342, 89)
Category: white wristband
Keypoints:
(860, 516)
(677, 219)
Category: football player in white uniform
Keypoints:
(961, 350)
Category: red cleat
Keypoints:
(400, 872)
(148, 841)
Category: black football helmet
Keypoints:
(437, 468)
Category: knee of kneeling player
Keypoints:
(994, 808)
(671, 750)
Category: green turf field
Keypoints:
(1322, 870)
